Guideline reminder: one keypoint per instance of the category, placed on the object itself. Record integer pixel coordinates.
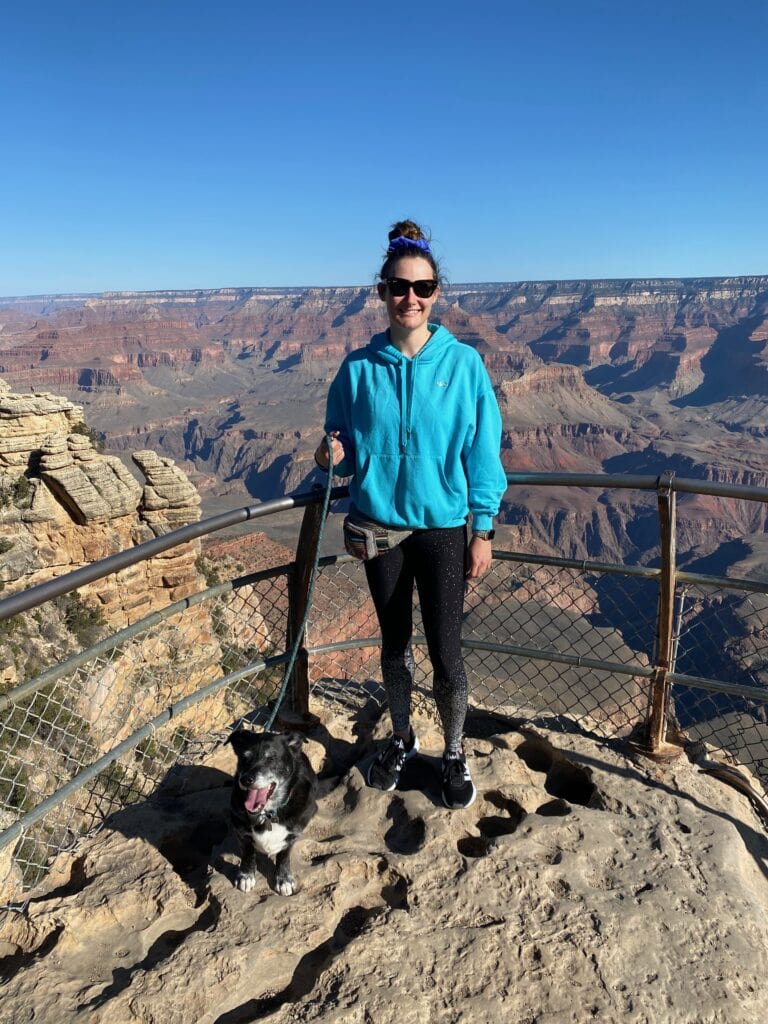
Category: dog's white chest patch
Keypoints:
(271, 841)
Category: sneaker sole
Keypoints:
(411, 753)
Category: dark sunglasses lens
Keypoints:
(398, 286)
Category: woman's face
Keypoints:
(409, 312)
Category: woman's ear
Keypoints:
(382, 290)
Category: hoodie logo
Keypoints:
(442, 383)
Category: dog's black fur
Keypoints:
(274, 796)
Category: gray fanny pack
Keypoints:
(366, 539)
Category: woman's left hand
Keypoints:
(478, 558)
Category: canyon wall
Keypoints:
(628, 376)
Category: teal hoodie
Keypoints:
(422, 435)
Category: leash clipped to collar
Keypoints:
(266, 819)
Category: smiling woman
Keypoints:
(416, 426)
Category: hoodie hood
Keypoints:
(381, 347)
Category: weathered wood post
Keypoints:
(298, 590)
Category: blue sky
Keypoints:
(189, 145)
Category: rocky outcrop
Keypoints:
(169, 500)
(580, 885)
(89, 485)
(64, 504)
(27, 420)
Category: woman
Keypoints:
(416, 426)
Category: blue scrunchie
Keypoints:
(401, 242)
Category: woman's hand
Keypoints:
(321, 453)
(479, 558)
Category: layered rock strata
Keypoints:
(591, 375)
(66, 504)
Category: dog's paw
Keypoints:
(286, 886)
(245, 882)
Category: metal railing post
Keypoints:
(657, 744)
(298, 590)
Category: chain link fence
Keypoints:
(722, 635)
(70, 717)
(545, 638)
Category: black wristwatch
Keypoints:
(484, 534)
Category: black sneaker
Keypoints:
(384, 770)
(458, 788)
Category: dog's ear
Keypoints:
(240, 740)
(295, 740)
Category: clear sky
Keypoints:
(159, 144)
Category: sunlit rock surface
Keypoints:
(64, 503)
(581, 885)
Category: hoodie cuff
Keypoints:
(482, 522)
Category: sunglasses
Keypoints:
(399, 286)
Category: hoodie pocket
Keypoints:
(449, 487)
(413, 492)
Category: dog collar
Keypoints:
(266, 818)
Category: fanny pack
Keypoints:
(365, 539)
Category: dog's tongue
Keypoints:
(256, 799)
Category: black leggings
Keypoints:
(434, 560)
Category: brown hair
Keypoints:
(408, 229)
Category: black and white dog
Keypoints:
(274, 797)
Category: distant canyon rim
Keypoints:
(622, 376)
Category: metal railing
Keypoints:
(618, 650)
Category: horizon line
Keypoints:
(448, 286)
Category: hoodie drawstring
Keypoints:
(407, 369)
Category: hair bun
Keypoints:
(407, 229)
(406, 239)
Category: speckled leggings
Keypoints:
(434, 560)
